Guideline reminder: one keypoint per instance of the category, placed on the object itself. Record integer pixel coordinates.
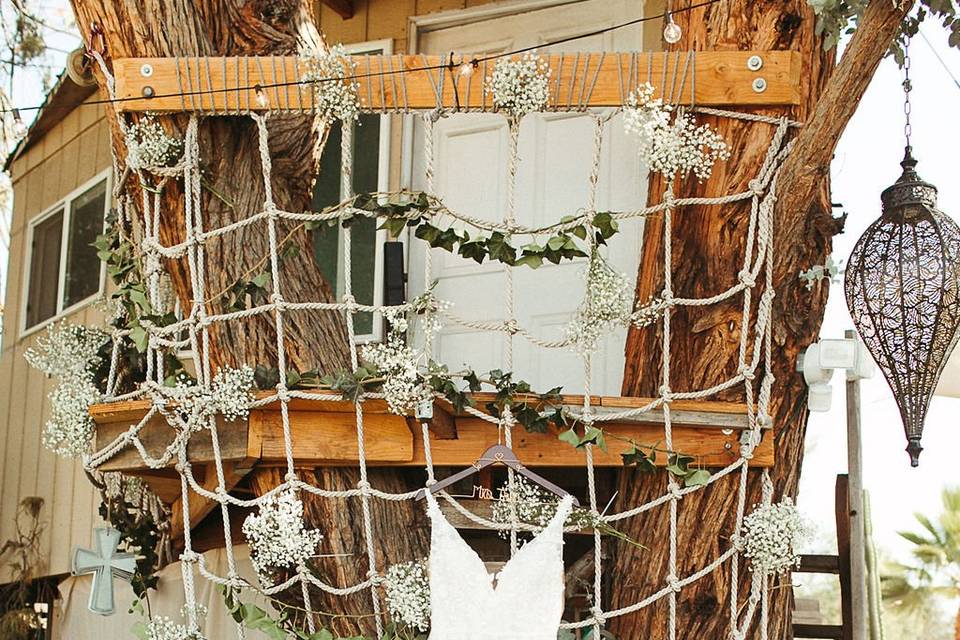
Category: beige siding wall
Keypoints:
(70, 154)
(382, 19)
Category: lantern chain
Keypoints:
(907, 88)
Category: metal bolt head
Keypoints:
(148, 92)
(754, 63)
(146, 70)
(759, 85)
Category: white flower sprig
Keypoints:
(149, 146)
(164, 628)
(229, 394)
(404, 387)
(671, 143)
(606, 303)
(407, 587)
(70, 353)
(520, 86)
(277, 536)
(527, 503)
(337, 95)
(771, 535)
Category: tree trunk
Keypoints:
(708, 245)
(234, 190)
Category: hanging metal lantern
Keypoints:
(901, 285)
(903, 289)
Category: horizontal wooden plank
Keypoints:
(227, 84)
(157, 435)
(818, 563)
(823, 631)
(326, 438)
(711, 447)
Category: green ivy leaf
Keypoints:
(697, 478)
(570, 436)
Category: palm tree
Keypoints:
(935, 572)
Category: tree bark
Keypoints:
(708, 245)
(233, 191)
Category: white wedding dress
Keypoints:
(525, 604)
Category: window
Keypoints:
(64, 268)
(370, 168)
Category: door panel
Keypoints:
(556, 152)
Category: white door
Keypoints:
(555, 161)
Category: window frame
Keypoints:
(65, 205)
(372, 47)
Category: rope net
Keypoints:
(194, 332)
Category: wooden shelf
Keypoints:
(224, 84)
(324, 434)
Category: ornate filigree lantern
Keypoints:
(901, 284)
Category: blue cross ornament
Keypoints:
(105, 564)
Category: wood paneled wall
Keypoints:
(74, 151)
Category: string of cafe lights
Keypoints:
(671, 34)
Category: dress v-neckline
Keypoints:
(563, 510)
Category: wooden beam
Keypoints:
(343, 8)
(323, 433)
(720, 78)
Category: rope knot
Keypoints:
(746, 372)
(291, 478)
(666, 392)
(364, 486)
(764, 420)
(756, 187)
(675, 490)
(276, 299)
(511, 326)
(189, 556)
(673, 583)
(746, 278)
(598, 614)
(349, 299)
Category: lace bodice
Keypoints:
(526, 603)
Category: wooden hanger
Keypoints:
(497, 454)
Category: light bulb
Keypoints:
(671, 31)
(261, 97)
(19, 128)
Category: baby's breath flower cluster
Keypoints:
(149, 146)
(646, 314)
(407, 588)
(671, 143)
(606, 304)
(229, 394)
(277, 537)
(771, 535)
(337, 98)
(533, 505)
(403, 385)
(520, 86)
(70, 353)
(163, 628)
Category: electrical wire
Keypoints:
(943, 63)
(376, 74)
